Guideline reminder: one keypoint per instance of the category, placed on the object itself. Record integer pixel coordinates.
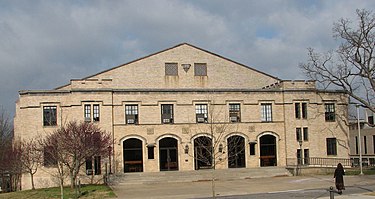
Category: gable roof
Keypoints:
(153, 54)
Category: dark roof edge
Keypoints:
(150, 55)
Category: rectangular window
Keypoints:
(305, 134)
(131, 114)
(306, 156)
(97, 165)
(96, 113)
(167, 113)
(171, 69)
(365, 143)
(49, 116)
(150, 152)
(234, 113)
(300, 110)
(49, 155)
(201, 112)
(252, 148)
(331, 146)
(200, 69)
(266, 112)
(297, 110)
(87, 112)
(356, 144)
(329, 112)
(370, 120)
(299, 156)
(89, 166)
(298, 134)
(373, 143)
(304, 110)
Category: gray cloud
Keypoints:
(44, 44)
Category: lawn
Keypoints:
(366, 171)
(87, 192)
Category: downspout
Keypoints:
(113, 137)
(285, 140)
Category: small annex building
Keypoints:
(164, 109)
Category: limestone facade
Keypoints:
(158, 107)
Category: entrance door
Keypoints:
(203, 153)
(133, 155)
(268, 151)
(236, 152)
(168, 154)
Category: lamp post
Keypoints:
(299, 160)
(360, 140)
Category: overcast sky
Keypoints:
(44, 44)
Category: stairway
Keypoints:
(197, 175)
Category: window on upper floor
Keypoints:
(329, 112)
(300, 110)
(200, 69)
(266, 112)
(131, 114)
(49, 116)
(171, 69)
(201, 112)
(167, 113)
(305, 134)
(298, 134)
(96, 112)
(234, 112)
(331, 146)
(87, 112)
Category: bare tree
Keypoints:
(53, 155)
(31, 158)
(73, 143)
(351, 67)
(10, 170)
(213, 149)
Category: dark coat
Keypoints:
(339, 178)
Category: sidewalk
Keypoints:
(203, 189)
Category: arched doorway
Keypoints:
(133, 155)
(268, 151)
(168, 154)
(236, 151)
(203, 153)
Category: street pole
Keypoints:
(360, 140)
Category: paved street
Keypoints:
(269, 187)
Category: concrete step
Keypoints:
(197, 175)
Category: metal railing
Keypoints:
(319, 162)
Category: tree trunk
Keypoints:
(32, 181)
(62, 187)
(72, 179)
(213, 184)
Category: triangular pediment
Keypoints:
(181, 67)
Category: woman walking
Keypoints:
(339, 178)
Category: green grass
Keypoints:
(87, 192)
(366, 171)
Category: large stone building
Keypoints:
(366, 144)
(165, 108)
